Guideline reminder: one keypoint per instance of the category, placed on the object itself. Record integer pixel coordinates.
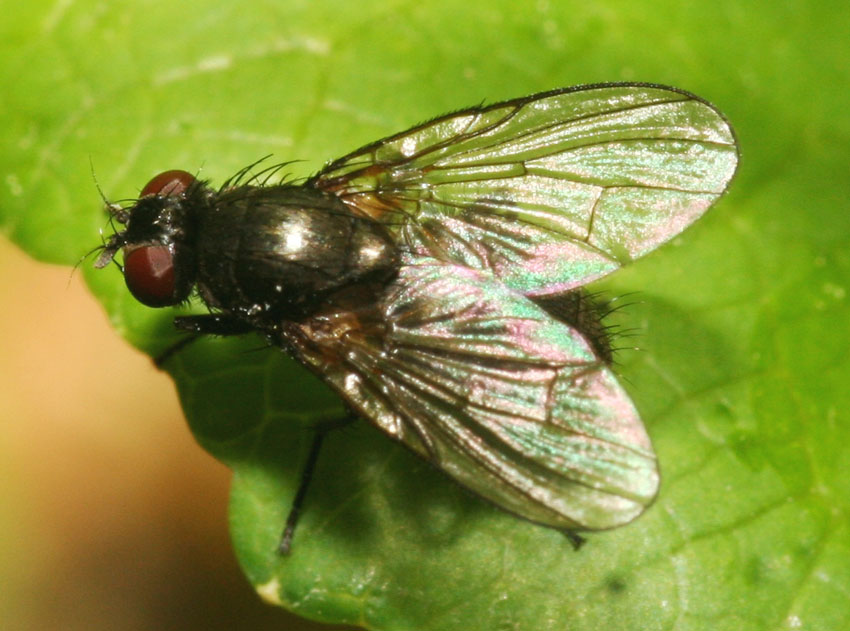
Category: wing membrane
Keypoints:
(549, 191)
(510, 402)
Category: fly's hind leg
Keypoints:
(285, 544)
(575, 539)
(225, 325)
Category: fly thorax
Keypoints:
(292, 249)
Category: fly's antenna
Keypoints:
(97, 184)
(114, 209)
(108, 247)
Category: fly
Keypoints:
(434, 280)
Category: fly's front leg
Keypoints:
(200, 325)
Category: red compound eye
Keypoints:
(149, 274)
(168, 184)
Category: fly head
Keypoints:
(159, 267)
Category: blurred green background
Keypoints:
(113, 517)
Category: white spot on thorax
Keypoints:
(294, 240)
(370, 254)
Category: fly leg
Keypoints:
(200, 325)
(285, 544)
(576, 540)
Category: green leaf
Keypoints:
(742, 321)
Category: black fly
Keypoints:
(433, 279)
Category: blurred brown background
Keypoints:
(111, 516)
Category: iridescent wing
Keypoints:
(478, 379)
(548, 191)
